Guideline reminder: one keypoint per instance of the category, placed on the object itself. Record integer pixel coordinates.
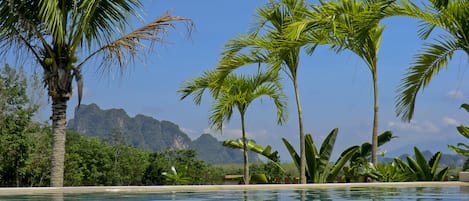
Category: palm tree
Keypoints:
(237, 92)
(268, 44)
(54, 33)
(453, 18)
(355, 26)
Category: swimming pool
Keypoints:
(295, 192)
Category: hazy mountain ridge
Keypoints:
(148, 133)
(446, 159)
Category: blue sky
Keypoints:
(335, 89)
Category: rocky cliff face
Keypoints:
(141, 131)
(148, 133)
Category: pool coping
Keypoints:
(191, 188)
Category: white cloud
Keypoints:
(425, 127)
(456, 95)
(450, 121)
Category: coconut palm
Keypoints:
(61, 36)
(453, 18)
(355, 26)
(236, 92)
(268, 44)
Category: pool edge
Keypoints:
(97, 189)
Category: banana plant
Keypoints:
(177, 178)
(392, 172)
(462, 148)
(318, 167)
(360, 161)
(257, 148)
(365, 149)
(421, 169)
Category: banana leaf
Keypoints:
(415, 169)
(318, 167)
(463, 130)
(458, 150)
(326, 149)
(293, 154)
(422, 163)
(365, 149)
(465, 106)
(259, 179)
(434, 161)
(252, 146)
(311, 158)
(341, 161)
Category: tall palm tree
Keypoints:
(61, 36)
(237, 92)
(453, 18)
(268, 44)
(355, 26)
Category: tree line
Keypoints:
(26, 147)
(53, 33)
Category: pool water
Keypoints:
(349, 193)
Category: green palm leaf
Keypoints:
(451, 16)
(55, 32)
(292, 152)
(427, 65)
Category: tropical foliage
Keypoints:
(421, 169)
(359, 165)
(268, 44)
(237, 92)
(62, 36)
(16, 126)
(319, 169)
(254, 147)
(354, 26)
(450, 16)
(462, 148)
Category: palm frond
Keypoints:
(124, 49)
(197, 86)
(101, 19)
(20, 29)
(55, 14)
(433, 58)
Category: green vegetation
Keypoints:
(451, 17)
(319, 169)
(256, 148)
(147, 133)
(237, 93)
(268, 45)
(54, 33)
(16, 126)
(462, 148)
(354, 26)
(421, 170)
(359, 165)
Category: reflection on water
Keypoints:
(323, 194)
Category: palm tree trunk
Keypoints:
(302, 134)
(245, 152)
(59, 120)
(374, 138)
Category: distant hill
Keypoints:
(148, 133)
(211, 150)
(446, 159)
